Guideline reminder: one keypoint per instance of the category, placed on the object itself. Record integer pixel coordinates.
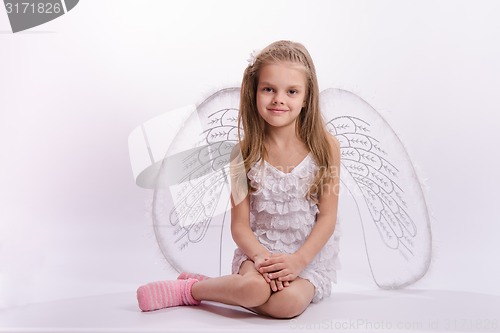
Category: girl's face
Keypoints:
(281, 93)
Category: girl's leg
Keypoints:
(247, 288)
(288, 302)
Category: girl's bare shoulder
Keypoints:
(334, 144)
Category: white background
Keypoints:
(72, 221)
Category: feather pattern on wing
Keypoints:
(191, 199)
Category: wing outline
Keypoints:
(396, 230)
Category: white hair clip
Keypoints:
(253, 57)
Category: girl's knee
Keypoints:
(290, 306)
(287, 310)
(255, 291)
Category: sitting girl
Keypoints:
(286, 252)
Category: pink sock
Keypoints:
(164, 294)
(187, 275)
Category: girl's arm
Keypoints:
(241, 232)
(243, 236)
(287, 267)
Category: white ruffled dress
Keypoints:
(281, 218)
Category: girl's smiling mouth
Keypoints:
(277, 110)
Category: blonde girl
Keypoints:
(284, 228)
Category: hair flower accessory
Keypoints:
(253, 57)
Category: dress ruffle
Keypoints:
(281, 193)
(281, 217)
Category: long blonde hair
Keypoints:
(310, 127)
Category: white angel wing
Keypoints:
(379, 174)
(191, 198)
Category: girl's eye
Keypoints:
(267, 89)
(292, 92)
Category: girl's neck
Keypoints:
(283, 138)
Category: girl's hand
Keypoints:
(281, 267)
(259, 259)
(275, 284)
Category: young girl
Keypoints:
(286, 254)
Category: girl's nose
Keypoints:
(277, 99)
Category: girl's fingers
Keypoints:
(273, 275)
(268, 262)
(272, 268)
(279, 285)
(273, 285)
(282, 275)
(287, 277)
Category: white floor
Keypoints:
(409, 310)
